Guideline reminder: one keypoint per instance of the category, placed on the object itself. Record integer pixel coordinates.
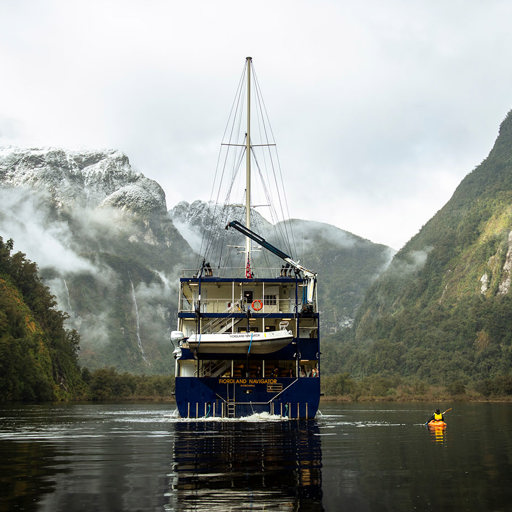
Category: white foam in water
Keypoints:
(256, 417)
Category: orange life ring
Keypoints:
(257, 305)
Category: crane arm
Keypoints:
(257, 238)
(308, 274)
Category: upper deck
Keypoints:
(271, 291)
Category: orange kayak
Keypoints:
(437, 424)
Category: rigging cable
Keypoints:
(230, 162)
(208, 234)
(285, 214)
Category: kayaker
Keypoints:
(437, 416)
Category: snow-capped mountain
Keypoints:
(105, 245)
(88, 179)
(111, 253)
(197, 219)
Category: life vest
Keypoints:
(438, 417)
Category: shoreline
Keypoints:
(323, 399)
(461, 399)
(331, 398)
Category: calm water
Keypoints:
(351, 458)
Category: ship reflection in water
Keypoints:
(240, 465)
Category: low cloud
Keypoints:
(409, 263)
(24, 218)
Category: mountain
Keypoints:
(105, 245)
(346, 264)
(442, 309)
(111, 253)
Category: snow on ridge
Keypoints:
(19, 163)
(191, 234)
(138, 197)
(88, 177)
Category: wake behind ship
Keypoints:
(248, 336)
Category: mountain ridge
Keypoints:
(444, 299)
(111, 252)
(349, 262)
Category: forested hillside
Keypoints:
(443, 309)
(38, 356)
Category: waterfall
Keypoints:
(139, 341)
(68, 298)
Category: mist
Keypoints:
(25, 217)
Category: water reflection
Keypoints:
(240, 466)
(437, 434)
(28, 472)
(140, 457)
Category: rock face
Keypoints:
(436, 309)
(198, 221)
(105, 245)
(85, 179)
(504, 286)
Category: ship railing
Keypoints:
(220, 306)
(228, 409)
(239, 273)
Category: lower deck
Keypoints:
(247, 368)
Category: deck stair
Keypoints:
(211, 326)
(231, 406)
(215, 369)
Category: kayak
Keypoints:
(437, 424)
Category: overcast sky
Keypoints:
(379, 108)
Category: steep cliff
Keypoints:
(444, 305)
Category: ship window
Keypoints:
(280, 369)
(187, 368)
(270, 300)
(248, 296)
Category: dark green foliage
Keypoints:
(456, 387)
(338, 384)
(108, 384)
(442, 311)
(38, 356)
(497, 387)
(377, 387)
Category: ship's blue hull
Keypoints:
(239, 397)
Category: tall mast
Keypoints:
(248, 164)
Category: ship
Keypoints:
(248, 336)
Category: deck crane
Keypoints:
(309, 275)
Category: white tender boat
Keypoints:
(240, 343)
